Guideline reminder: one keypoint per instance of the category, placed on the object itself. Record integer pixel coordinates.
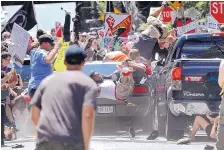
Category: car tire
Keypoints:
(174, 126)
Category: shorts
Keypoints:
(58, 145)
(208, 130)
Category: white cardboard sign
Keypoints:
(212, 23)
(184, 29)
(20, 37)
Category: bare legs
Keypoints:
(199, 122)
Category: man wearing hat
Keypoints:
(40, 61)
(67, 101)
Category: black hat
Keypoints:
(40, 32)
(46, 38)
(74, 55)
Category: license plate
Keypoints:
(105, 109)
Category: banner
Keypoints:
(59, 62)
(115, 21)
(20, 39)
(108, 42)
(24, 17)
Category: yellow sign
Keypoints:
(59, 62)
(102, 15)
(176, 4)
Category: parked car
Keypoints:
(186, 85)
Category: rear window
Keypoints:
(203, 48)
(101, 68)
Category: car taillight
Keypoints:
(177, 73)
(140, 89)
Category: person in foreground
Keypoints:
(220, 132)
(63, 107)
(209, 124)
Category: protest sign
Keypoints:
(188, 28)
(59, 62)
(115, 21)
(108, 42)
(212, 23)
(20, 37)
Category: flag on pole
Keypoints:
(25, 17)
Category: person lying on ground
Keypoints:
(9, 134)
(105, 87)
(209, 124)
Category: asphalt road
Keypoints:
(120, 143)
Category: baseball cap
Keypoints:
(74, 55)
(46, 38)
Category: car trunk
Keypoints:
(200, 80)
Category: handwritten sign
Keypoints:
(185, 29)
(59, 62)
(108, 42)
(20, 37)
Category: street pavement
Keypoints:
(120, 143)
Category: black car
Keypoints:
(187, 83)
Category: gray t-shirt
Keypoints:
(61, 97)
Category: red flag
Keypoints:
(58, 28)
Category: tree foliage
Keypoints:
(201, 6)
(101, 6)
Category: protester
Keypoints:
(6, 36)
(91, 49)
(105, 87)
(125, 84)
(220, 132)
(209, 124)
(39, 33)
(121, 55)
(40, 61)
(4, 99)
(66, 102)
(53, 34)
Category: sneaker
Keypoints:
(184, 141)
(131, 132)
(153, 135)
(209, 147)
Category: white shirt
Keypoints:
(107, 90)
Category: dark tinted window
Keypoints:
(202, 48)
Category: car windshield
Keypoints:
(203, 48)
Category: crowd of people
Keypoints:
(62, 107)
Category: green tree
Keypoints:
(201, 6)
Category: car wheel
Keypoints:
(174, 126)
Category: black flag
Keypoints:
(25, 17)
(110, 6)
